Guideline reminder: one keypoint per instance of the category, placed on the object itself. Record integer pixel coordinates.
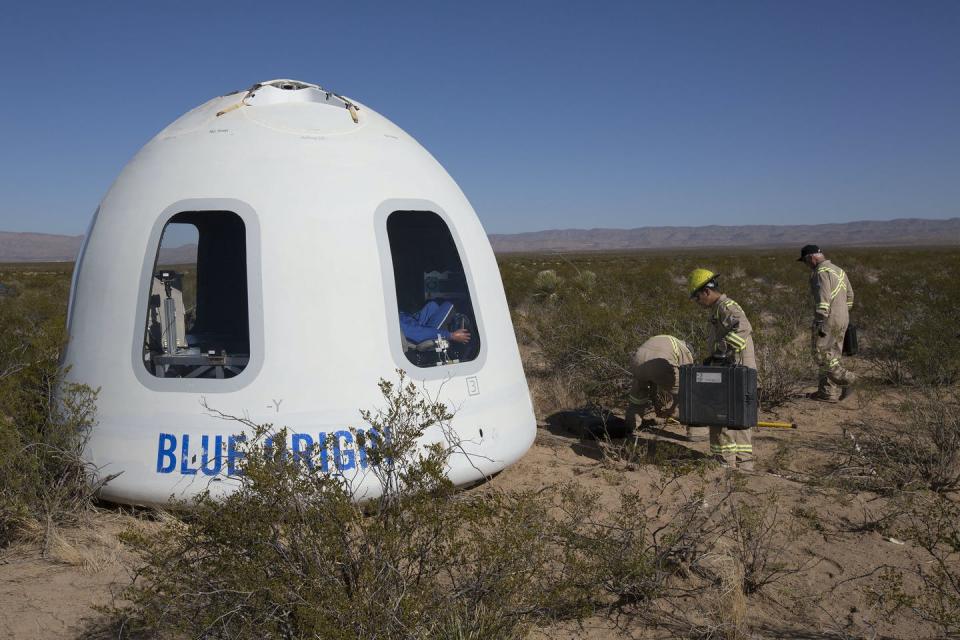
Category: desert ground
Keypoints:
(834, 531)
(57, 594)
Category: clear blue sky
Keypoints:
(548, 114)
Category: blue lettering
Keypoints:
(324, 453)
(344, 459)
(234, 456)
(304, 453)
(185, 468)
(205, 456)
(348, 451)
(363, 443)
(166, 460)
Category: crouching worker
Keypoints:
(730, 341)
(656, 380)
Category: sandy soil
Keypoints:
(55, 596)
(816, 603)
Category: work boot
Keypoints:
(847, 391)
(820, 396)
(826, 389)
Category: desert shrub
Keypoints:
(932, 523)
(586, 315)
(744, 544)
(918, 448)
(783, 364)
(547, 282)
(762, 537)
(44, 421)
(601, 308)
(586, 333)
(905, 310)
(292, 553)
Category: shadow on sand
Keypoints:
(651, 445)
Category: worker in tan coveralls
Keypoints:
(730, 340)
(832, 299)
(656, 380)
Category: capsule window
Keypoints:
(438, 325)
(198, 323)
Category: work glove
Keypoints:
(818, 322)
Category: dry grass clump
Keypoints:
(724, 608)
(918, 448)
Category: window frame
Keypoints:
(254, 299)
(394, 337)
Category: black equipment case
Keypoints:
(718, 396)
(850, 346)
(590, 423)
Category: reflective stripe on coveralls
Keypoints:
(731, 337)
(731, 448)
(734, 446)
(730, 325)
(676, 349)
(824, 307)
(833, 298)
(681, 355)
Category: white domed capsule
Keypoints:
(271, 255)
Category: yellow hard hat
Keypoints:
(698, 278)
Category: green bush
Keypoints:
(297, 553)
(906, 312)
(44, 422)
(583, 315)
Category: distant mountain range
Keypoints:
(904, 231)
(44, 247)
(47, 247)
(38, 247)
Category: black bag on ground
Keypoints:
(850, 346)
(590, 423)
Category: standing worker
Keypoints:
(656, 380)
(832, 299)
(730, 342)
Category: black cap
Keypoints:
(808, 250)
